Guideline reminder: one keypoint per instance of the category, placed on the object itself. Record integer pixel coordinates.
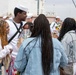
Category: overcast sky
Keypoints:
(62, 8)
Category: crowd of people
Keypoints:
(43, 50)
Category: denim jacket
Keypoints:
(28, 60)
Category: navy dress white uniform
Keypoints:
(13, 29)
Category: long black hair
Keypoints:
(42, 27)
(68, 25)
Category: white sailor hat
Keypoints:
(57, 17)
(29, 15)
(21, 7)
(5, 17)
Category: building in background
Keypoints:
(34, 6)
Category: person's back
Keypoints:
(68, 40)
(69, 45)
(38, 55)
(33, 61)
(70, 49)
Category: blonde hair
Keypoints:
(3, 34)
(4, 41)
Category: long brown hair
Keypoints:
(42, 27)
(3, 34)
(3, 37)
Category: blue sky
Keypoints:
(62, 8)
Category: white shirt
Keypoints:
(52, 26)
(55, 27)
(14, 41)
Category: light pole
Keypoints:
(37, 7)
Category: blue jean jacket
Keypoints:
(28, 60)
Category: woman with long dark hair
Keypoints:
(40, 54)
(68, 39)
